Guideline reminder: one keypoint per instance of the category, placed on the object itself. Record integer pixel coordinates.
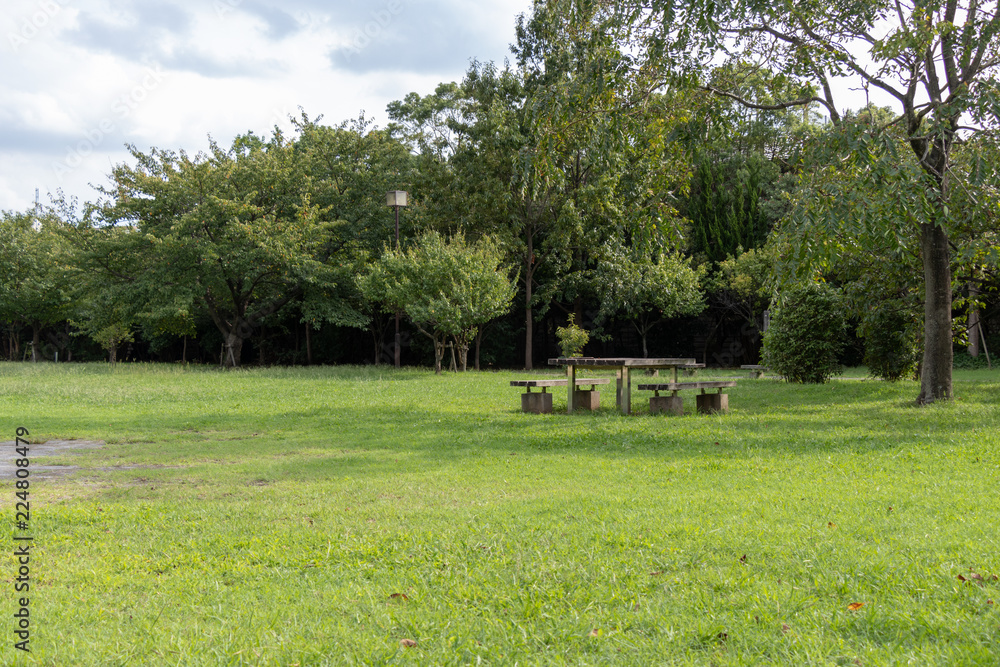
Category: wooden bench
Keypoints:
(542, 403)
(706, 402)
(756, 370)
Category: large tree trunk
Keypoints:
(935, 371)
(233, 351)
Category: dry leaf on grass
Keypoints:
(398, 596)
(408, 643)
(595, 633)
(854, 606)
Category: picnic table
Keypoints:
(623, 367)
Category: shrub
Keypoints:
(891, 337)
(806, 334)
(572, 338)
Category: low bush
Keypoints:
(806, 335)
(892, 350)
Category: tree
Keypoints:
(231, 232)
(934, 59)
(727, 203)
(347, 170)
(741, 285)
(35, 286)
(647, 289)
(447, 288)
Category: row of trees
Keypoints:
(635, 162)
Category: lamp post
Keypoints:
(395, 199)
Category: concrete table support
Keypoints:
(536, 403)
(672, 404)
(709, 403)
(542, 403)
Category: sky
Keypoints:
(83, 78)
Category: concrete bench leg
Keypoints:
(587, 400)
(673, 404)
(536, 403)
(709, 403)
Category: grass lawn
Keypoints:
(321, 516)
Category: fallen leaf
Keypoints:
(744, 559)
(890, 509)
(408, 643)
(595, 633)
(961, 578)
(989, 602)
(785, 628)
(854, 606)
(656, 574)
(398, 596)
(722, 636)
(977, 577)
(831, 525)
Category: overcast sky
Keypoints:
(81, 78)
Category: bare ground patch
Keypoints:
(8, 456)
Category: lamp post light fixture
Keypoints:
(395, 199)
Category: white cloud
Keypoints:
(84, 77)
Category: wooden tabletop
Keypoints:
(628, 362)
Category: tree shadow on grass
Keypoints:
(466, 420)
(786, 420)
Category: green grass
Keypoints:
(271, 517)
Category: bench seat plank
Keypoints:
(678, 386)
(557, 382)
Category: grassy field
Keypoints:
(323, 516)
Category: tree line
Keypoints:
(633, 163)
